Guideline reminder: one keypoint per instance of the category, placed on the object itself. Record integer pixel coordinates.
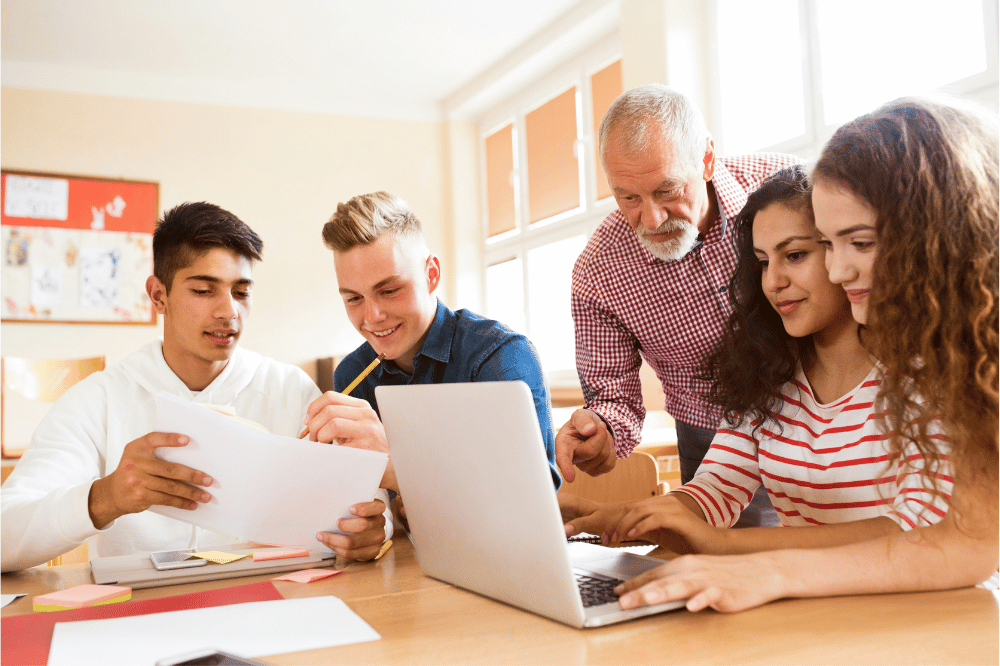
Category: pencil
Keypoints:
(352, 385)
(382, 551)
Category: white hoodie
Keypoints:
(44, 501)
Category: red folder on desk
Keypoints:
(25, 639)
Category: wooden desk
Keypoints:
(424, 621)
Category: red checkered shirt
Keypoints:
(628, 304)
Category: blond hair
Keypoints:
(367, 217)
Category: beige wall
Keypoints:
(281, 172)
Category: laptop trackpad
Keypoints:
(622, 566)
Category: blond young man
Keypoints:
(387, 277)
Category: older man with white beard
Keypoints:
(652, 282)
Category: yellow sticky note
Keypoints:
(80, 596)
(45, 608)
(309, 575)
(219, 557)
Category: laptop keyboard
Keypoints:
(596, 590)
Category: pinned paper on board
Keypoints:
(309, 575)
(218, 557)
(46, 286)
(100, 279)
(36, 198)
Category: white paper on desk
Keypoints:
(265, 487)
(253, 629)
(7, 598)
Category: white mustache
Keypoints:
(668, 225)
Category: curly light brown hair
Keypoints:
(929, 170)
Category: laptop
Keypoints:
(482, 509)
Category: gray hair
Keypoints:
(637, 109)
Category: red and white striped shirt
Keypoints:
(828, 464)
(627, 303)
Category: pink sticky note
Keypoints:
(81, 595)
(308, 575)
(278, 554)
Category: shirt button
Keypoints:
(722, 289)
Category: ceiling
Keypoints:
(409, 59)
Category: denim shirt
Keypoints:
(460, 347)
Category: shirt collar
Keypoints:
(730, 195)
(731, 199)
(437, 344)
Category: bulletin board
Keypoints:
(76, 249)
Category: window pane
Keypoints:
(901, 47)
(505, 294)
(605, 87)
(553, 173)
(499, 187)
(550, 269)
(760, 73)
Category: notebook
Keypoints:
(481, 506)
(137, 571)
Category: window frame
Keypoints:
(584, 219)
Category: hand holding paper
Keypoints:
(266, 488)
(335, 417)
(142, 480)
(362, 536)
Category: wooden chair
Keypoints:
(633, 478)
(28, 387)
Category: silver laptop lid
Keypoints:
(479, 497)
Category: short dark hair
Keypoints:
(190, 229)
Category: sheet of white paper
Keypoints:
(100, 276)
(253, 629)
(266, 487)
(580, 551)
(46, 286)
(7, 598)
(36, 198)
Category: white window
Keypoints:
(792, 71)
(545, 194)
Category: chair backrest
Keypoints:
(633, 478)
(28, 387)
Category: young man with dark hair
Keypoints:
(387, 277)
(91, 473)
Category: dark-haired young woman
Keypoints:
(797, 387)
